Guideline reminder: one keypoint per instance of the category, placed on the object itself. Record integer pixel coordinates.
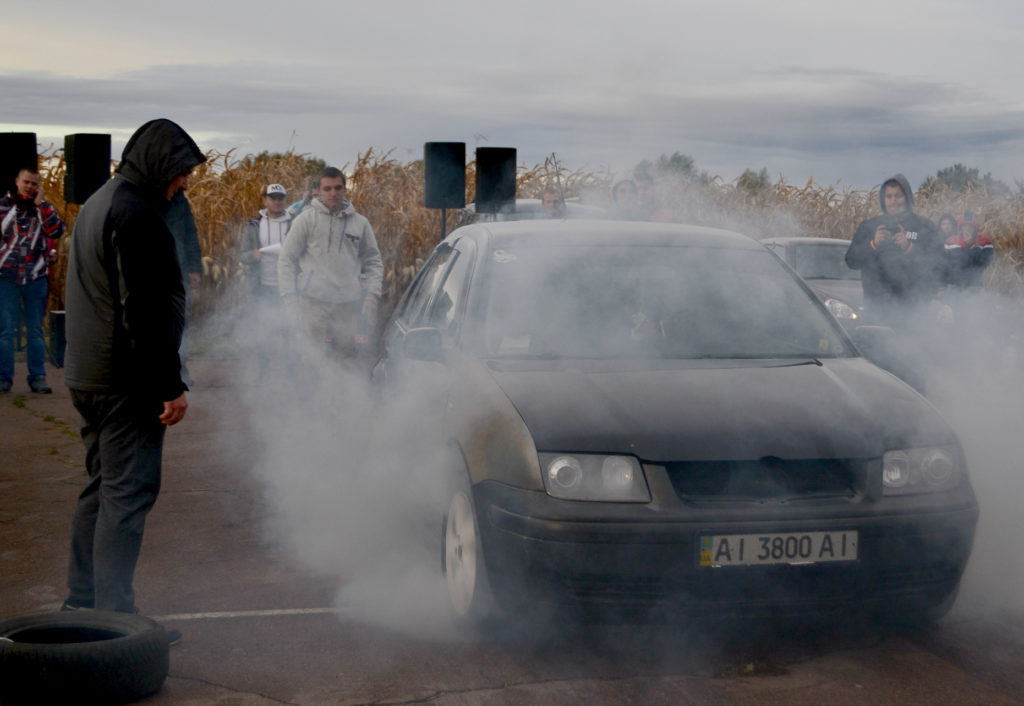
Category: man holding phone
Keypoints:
(901, 257)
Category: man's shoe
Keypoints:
(5, 386)
(173, 636)
(38, 384)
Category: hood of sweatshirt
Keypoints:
(321, 207)
(283, 217)
(902, 182)
(159, 152)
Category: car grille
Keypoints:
(771, 587)
(768, 479)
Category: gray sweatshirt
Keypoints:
(326, 253)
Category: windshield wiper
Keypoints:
(809, 361)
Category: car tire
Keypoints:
(84, 656)
(469, 590)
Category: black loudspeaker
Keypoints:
(88, 159)
(495, 179)
(444, 172)
(17, 151)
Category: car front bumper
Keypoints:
(911, 554)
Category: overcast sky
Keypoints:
(844, 94)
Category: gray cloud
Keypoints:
(844, 125)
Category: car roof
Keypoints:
(525, 209)
(577, 232)
(801, 239)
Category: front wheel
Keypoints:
(464, 568)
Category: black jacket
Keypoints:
(897, 281)
(124, 296)
(182, 224)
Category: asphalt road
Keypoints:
(266, 622)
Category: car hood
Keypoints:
(843, 408)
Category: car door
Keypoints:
(427, 324)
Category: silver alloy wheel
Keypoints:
(460, 554)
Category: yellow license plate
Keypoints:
(777, 548)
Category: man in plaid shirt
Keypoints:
(29, 228)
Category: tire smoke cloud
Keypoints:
(352, 494)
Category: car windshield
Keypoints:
(823, 262)
(640, 302)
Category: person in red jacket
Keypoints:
(968, 254)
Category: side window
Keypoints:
(445, 307)
(412, 309)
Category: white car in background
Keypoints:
(821, 263)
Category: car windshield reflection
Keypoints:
(649, 302)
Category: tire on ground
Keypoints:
(86, 656)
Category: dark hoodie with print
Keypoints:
(897, 282)
(124, 298)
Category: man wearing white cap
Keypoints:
(262, 239)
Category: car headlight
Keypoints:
(840, 309)
(928, 470)
(594, 477)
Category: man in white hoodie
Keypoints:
(262, 239)
(330, 270)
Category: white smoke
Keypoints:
(352, 493)
(978, 385)
(357, 492)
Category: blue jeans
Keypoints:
(14, 297)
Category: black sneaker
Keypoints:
(173, 636)
(38, 384)
(5, 386)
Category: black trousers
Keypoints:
(123, 447)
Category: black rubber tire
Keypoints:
(84, 657)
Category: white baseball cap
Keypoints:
(274, 189)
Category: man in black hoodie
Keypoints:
(125, 306)
(900, 255)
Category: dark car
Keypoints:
(528, 209)
(821, 262)
(639, 414)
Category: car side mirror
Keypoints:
(422, 344)
(884, 348)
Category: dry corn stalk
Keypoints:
(225, 193)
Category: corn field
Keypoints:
(225, 193)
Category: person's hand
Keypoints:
(900, 238)
(882, 234)
(257, 255)
(370, 309)
(39, 196)
(174, 411)
(194, 280)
